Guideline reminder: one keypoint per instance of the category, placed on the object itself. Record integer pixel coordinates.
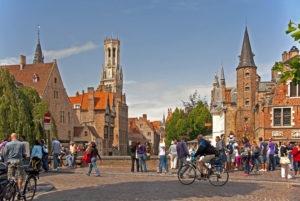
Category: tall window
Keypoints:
(114, 52)
(247, 74)
(55, 80)
(282, 117)
(55, 94)
(105, 132)
(112, 133)
(247, 88)
(108, 52)
(294, 90)
(247, 102)
(62, 117)
(149, 134)
(69, 117)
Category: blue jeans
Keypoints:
(93, 165)
(55, 161)
(254, 161)
(68, 160)
(272, 162)
(246, 165)
(45, 162)
(74, 159)
(163, 160)
(142, 161)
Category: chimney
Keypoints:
(145, 117)
(91, 103)
(22, 62)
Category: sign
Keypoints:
(277, 134)
(296, 134)
(47, 126)
(47, 118)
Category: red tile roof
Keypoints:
(100, 99)
(25, 76)
(134, 129)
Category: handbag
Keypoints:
(284, 160)
(87, 157)
(144, 157)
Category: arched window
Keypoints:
(108, 52)
(114, 52)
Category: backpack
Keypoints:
(34, 164)
(230, 148)
(87, 157)
(245, 152)
(256, 151)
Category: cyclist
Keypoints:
(15, 152)
(206, 150)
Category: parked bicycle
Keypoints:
(216, 174)
(9, 189)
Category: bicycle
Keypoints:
(10, 188)
(217, 175)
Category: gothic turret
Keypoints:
(246, 57)
(38, 56)
(222, 76)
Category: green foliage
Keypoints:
(293, 72)
(188, 125)
(19, 106)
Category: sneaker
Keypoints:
(55, 170)
(261, 170)
(245, 174)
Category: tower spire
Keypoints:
(216, 81)
(38, 56)
(246, 57)
(222, 76)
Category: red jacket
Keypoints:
(296, 154)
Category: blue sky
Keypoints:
(169, 48)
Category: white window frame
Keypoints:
(281, 126)
(288, 83)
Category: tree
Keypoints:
(293, 69)
(19, 106)
(192, 102)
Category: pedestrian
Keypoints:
(2, 146)
(93, 154)
(230, 155)
(45, 152)
(173, 155)
(296, 159)
(27, 149)
(141, 151)
(237, 156)
(284, 162)
(290, 148)
(133, 156)
(14, 151)
(254, 156)
(37, 150)
(245, 155)
(272, 160)
(263, 154)
(148, 150)
(55, 149)
(73, 152)
(182, 152)
(192, 152)
(163, 160)
(221, 149)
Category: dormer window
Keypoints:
(35, 78)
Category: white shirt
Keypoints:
(27, 149)
(162, 149)
(173, 149)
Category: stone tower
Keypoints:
(112, 75)
(38, 55)
(246, 91)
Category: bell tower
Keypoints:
(111, 75)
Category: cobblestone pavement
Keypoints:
(71, 185)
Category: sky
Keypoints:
(169, 48)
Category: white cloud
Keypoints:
(63, 53)
(155, 99)
(54, 54)
(9, 61)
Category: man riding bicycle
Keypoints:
(14, 151)
(206, 150)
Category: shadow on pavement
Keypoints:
(154, 190)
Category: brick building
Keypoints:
(96, 112)
(143, 126)
(46, 79)
(256, 108)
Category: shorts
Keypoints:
(207, 158)
(263, 159)
(16, 170)
(231, 158)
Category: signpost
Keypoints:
(47, 121)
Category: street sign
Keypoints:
(47, 126)
(47, 118)
(207, 124)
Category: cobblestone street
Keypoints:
(73, 185)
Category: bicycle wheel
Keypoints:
(10, 192)
(218, 175)
(29, 188)
(187, 174)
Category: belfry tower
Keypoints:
(111, 75)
